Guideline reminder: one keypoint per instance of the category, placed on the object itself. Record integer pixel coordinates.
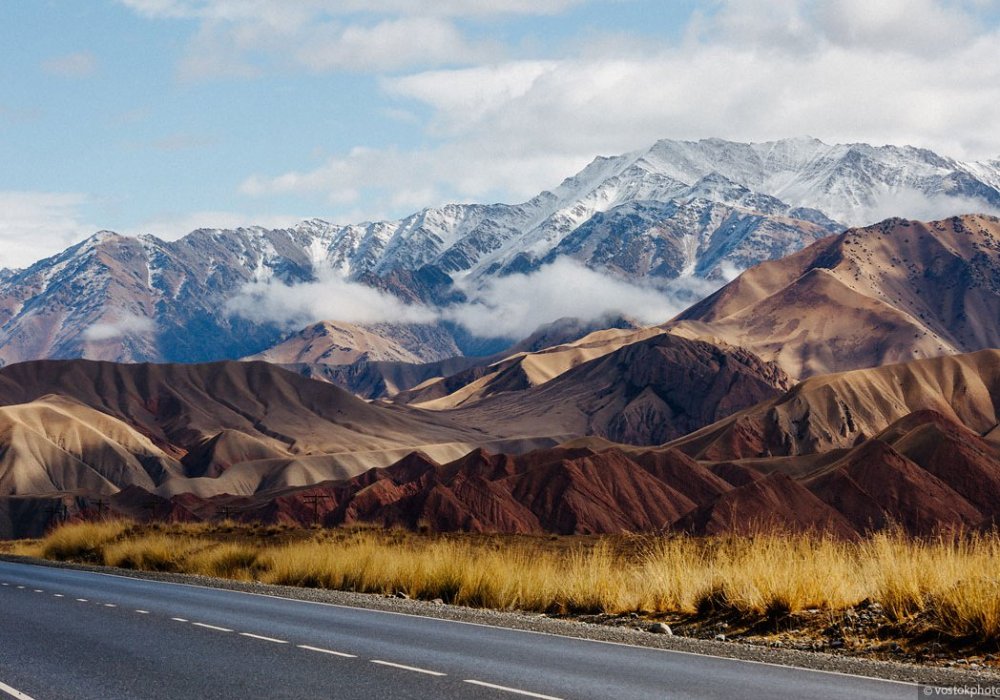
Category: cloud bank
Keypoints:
(507, 307)
(516, 305)
(898, 71)
(328, 298)
(125, 325)
(34, 225)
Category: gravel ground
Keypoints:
(927, 676)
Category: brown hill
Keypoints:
(774, 502)
(924, 473)
(239, 427)
(522, 369)
(842, 410)
(893, 292)
(371, 378)
(179, 407)
(647, 392)
(339, 343)
(875, 487)
(562, 490)
(55, 444)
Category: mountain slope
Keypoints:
(891, 480)
(893, 292)
(647, 391)
(248, 422)
(54, 445)
(672, 214)
(839, 411)
(337, 343)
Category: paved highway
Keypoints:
(81, 635)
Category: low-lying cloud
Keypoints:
(911, 204)
(516, 305)
(124, 325)
(509, 307)
(330, 297)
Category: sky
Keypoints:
(162, 116)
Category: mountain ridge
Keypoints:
(679, 216)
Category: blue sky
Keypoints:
(160, 116)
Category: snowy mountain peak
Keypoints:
(675, 215)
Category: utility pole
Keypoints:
(149, 506)
(57, 511)
(314, 500)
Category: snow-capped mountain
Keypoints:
(675, 211)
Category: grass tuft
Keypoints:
(82, 541)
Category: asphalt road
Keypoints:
(81, 635)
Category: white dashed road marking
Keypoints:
(18, 695)
(408, 668)
(264, 639)
(14, 692)
(211, 627)
(327, 651)
(527, 693)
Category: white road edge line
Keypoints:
(262, 638)
(178, 619)
(14, 692)
(408, 668)
(512, 690)
(211, 627)
(327, 651)
(570, 637)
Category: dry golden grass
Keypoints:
(951, 583)
(82, 541)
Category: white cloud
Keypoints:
(526, 126)
(386, 178)
(328, 298)
(512, 306)
(34, 225)
(125, 324)
(282, 12)
(516, 305)
(462, 97)
(82, 64)
(908, 25)
(910, 204)
(844, 71)
(240, 39)
(389, 45)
